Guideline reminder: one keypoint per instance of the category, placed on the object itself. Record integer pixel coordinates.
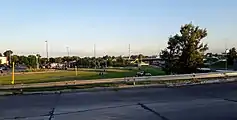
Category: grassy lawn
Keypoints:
(83, 74)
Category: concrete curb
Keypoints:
(98, 89)
(5, 93)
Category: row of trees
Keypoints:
(91, 62)
(30, 60)
(33, 60)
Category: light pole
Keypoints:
(67, 51)
(37, 61)
(68, 57)
(47, 52)
(106, 63)
(94, 51)
(226, 51)
(10, 59)
(129, 52)
(226, 62)
(95, 54)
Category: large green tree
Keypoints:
(43, 60)
(231, 56)
(15, 58)
(8, 54)
(52, 60)
(58, 60)
(185, 51)
(38, 56)
(140, 56)
(32, 61)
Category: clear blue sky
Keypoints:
(111, 25)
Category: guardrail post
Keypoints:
(194, 77)
(21, 90)
(226, 76)
(134, 83)
(125, 79)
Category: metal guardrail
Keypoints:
(129, 79)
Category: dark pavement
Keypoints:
(201, 102)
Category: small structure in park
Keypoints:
(3, 60)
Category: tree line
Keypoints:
(32, 61)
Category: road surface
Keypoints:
(201, 102)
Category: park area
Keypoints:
(82, 74)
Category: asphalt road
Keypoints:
(202, 102)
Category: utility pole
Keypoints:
(226, 51)
(10, 59)
(13, 73)
(95, 54)
(95, 50)
(68, 64)
(129, 52)
(47, 52)
(37, 62)
(67, 52)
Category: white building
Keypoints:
(3, 60)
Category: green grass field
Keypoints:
(83, 74)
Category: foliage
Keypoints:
(185, 52)
(231, 56)
(8, 54)
(140, 56)
(87, 62)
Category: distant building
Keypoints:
(3, 60)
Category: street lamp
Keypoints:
(37, 61)
(10, 59)
(47, 52)
(95, 54)
(129, 52)
(67, 51)
(68, 64)
(226, 63)
(226, 51)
